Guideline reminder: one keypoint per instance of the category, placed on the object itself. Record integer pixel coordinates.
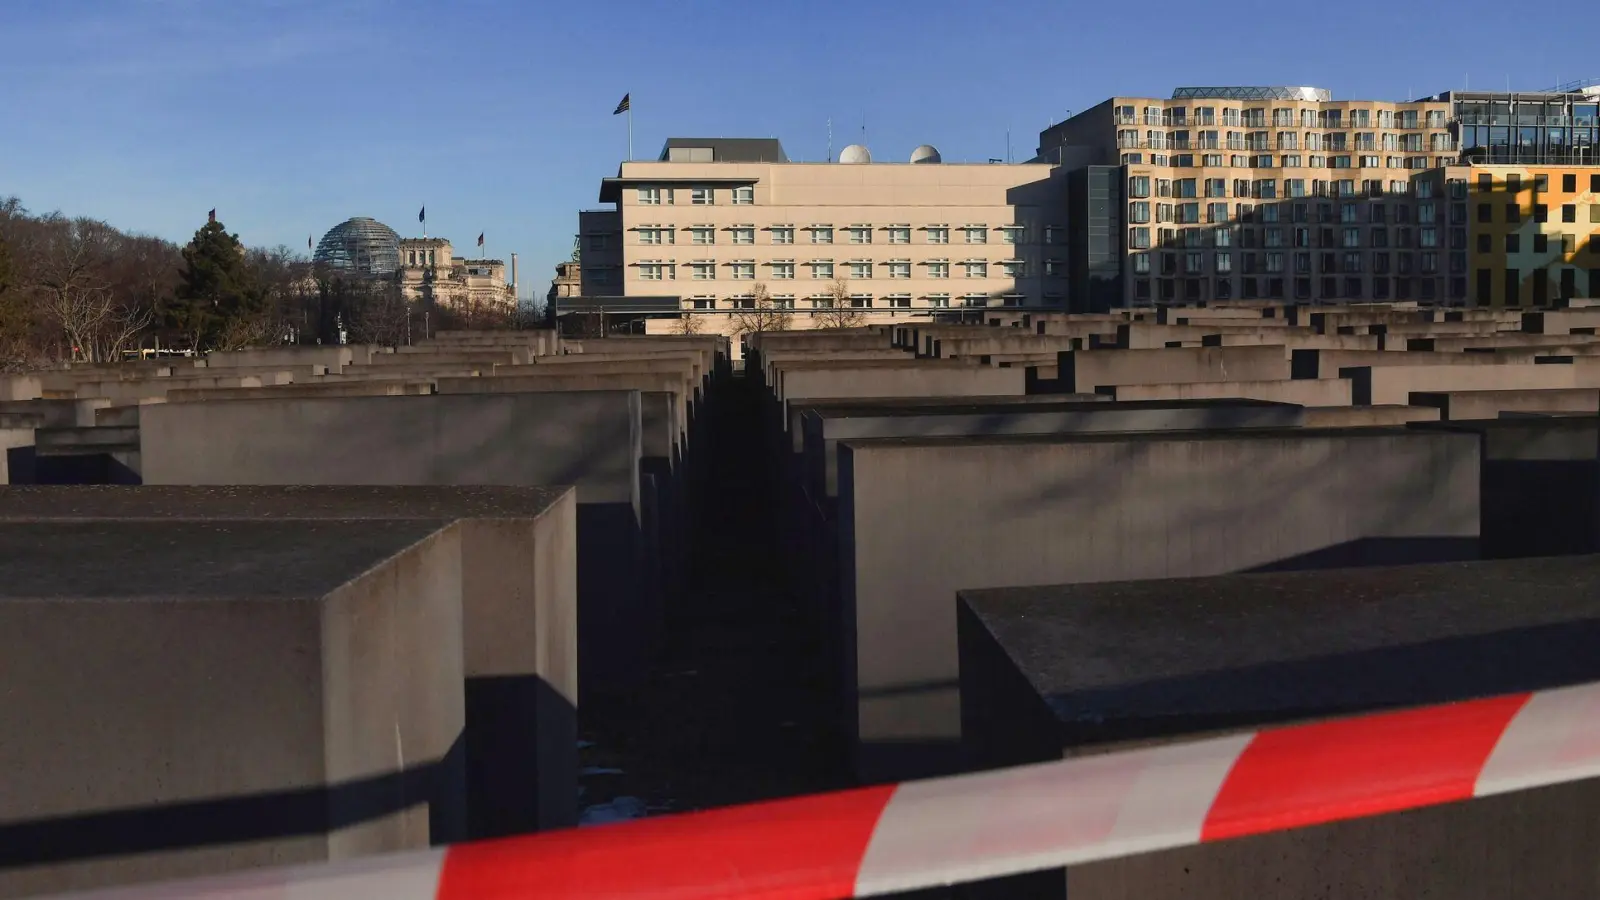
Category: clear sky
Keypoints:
(290, 116)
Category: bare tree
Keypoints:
(839, 313)
(686, 323)
(759, 313)
(71, 264)
(380, 314)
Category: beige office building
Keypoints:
(701, 226)
(1276, 193)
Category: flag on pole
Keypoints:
(621, 107)
(422, 214)
(480, 239)
(211, 216)
(308, 243)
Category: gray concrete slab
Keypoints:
(589, 439)
(519, 608)
(1049, 672)
(186, 698)
(920, 519)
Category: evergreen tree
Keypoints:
(217, 290)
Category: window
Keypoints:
(744, 195)
(1013, 269)
(1594, 183)
(703, 270)
(1569, 184)
(860, 301)
(1594, 217)
(1541, 212)
(1194, 263)
(743, 270)
(652, 196)
(597, 242)
(821, 234)
(1569, 211)
(1055, 235)
(1139, 212)
(900, 269)
(976, 269)
(938, 234)
(939, 269)
(860, 234)
(1513, 214)
(702, 234)
(822, 268)
(939, 301)
(1217, 213)
(1056, 267)
(783, 301)
(704, 302)
(743, 234)
(1139, 238)
(822, 301)
(783, 234)
(1012, 234)
(1188, 213)
(1139, 186)
(1352, 237)
(899, 234)
(860, 269)
(654, 234)
(1224, 261)
(976, 234)
(1485, 213)
(1141, 263)
(899, 301)
(979, 300)
(1541, 243)
(702, 196)
(783, 271)
(654, 271)
(1513, 243)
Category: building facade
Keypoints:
(1261, 193)
(711, 220)
(430, 272)
(1531, 232)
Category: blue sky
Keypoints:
(289, 116)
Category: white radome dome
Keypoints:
(927, 153)
(855, 153)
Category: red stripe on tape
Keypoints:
(1324, 772)
(807, 848)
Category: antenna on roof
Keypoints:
(1008, 146)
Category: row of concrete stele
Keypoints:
(1051, 536)
(217, 670)
(284, 606)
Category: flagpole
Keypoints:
(630, 127)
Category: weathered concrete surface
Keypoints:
(1104, 508)
(186, 698)
(1359, 416)
(1058, 671)
(369, 388)
(519, 612)
(589, 439)
(1390, 385)
(1306, 392)
(1089, 370)
(16, 452)
(1490, 404)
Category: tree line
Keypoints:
(80, 290)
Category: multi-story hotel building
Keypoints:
(701, 226)
(1265, 192)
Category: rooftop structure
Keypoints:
(1309, 94)
(361, 246)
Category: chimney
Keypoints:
(514, 278)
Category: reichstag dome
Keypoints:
(360, 246)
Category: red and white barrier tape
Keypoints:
(923, 834)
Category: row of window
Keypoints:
(1332, 288)
(1377, 236)
(1333, 142)
(1220, 213)
(1287, 161)
(1540, 243)
(1513, 182)
(743, 195)
(1282, 117)
(784, 270)
(1350, 262)
(866, 301)
(1539, 213)
(1267, 188)
(705, 235)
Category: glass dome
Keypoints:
(360, 246)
